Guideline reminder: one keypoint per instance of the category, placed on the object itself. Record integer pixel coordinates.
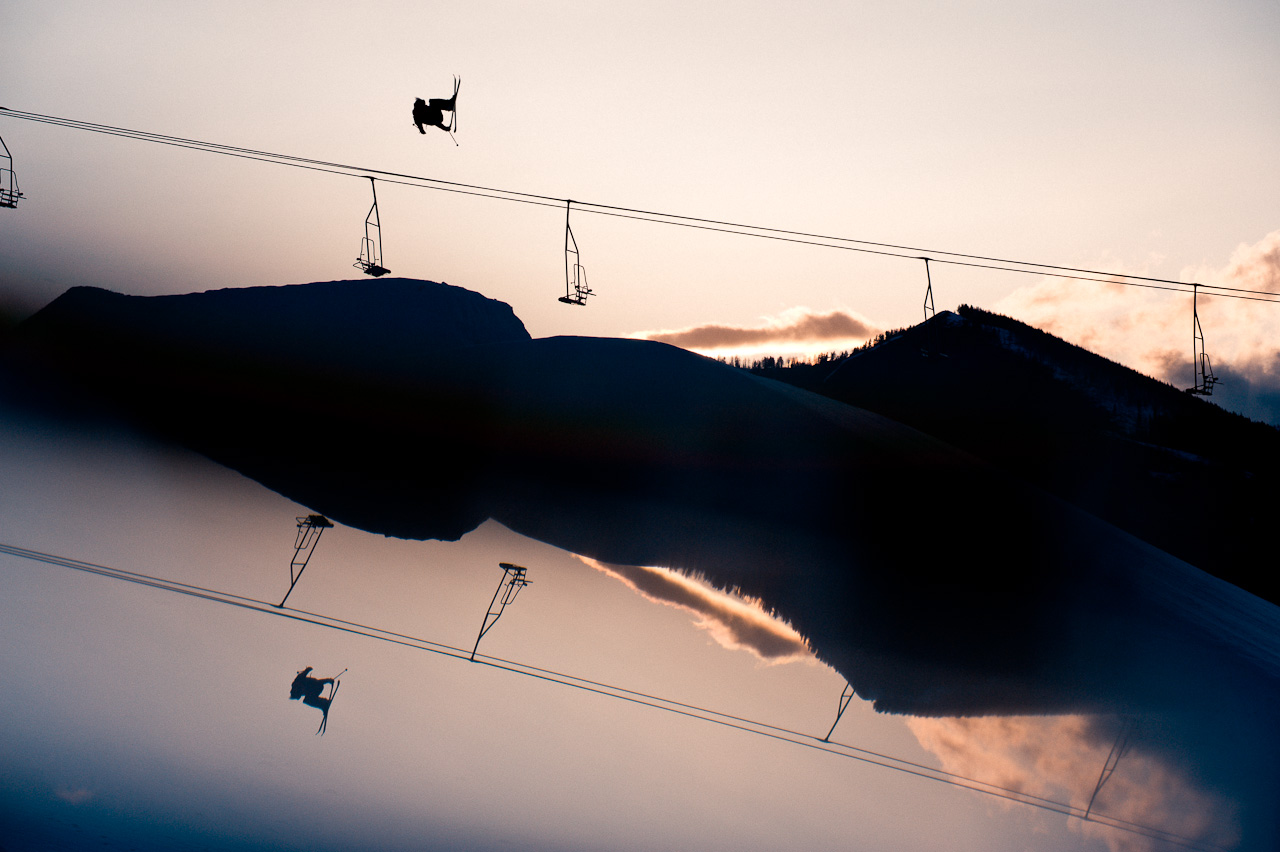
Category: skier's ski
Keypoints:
(333, 693)
(453, 119)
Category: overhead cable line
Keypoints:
(699, 223)
(1038, 269)
(282, 159)
(691, 711)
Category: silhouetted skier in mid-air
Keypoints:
(432, 112)
(309, 689)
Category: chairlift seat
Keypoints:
(372, 269)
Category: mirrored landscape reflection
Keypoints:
(1073, 678)
(1135, 781)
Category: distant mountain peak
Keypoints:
(1172, 468)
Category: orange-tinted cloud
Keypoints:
(1151, 330)
(1061, 757)
(796, 326)
(735, 622)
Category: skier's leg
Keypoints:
(317, 702)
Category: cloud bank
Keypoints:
(794, 328)
(1061, 758)
(1151, 330)
(736, 623)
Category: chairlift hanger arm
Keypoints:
(310, 528)
(928, 290)
(576, 290)
(1203, 378)
(513, 580)
(370, 259)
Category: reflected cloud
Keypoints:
(797, 326)
(1061, 758)
(1150, 330)
(737, 623)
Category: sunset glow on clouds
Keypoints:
(1061, 757)
(1151, 330)
(798, 331)
(735, 622)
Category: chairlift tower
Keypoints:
(846, 695)
(370, 260)
(513, 580)
(928, 291)
(931, 333)
(1118, 750)
(1202, 370)
(576, 290)
(310, 528)
(9, 193)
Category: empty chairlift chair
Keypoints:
(1202, 369)
(576, 290)
(370, 260)
(9, 193)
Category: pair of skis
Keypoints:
(453, 119)
(333, 693)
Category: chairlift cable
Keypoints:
(690, 711)
(701, 223)
(288, 160)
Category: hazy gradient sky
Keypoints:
(1135, 137)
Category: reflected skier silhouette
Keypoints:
(310, 690)
(432, 112)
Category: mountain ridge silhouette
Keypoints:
(936, 582)
(1193, 479)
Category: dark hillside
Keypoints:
(424, 410)
(1185, 475)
